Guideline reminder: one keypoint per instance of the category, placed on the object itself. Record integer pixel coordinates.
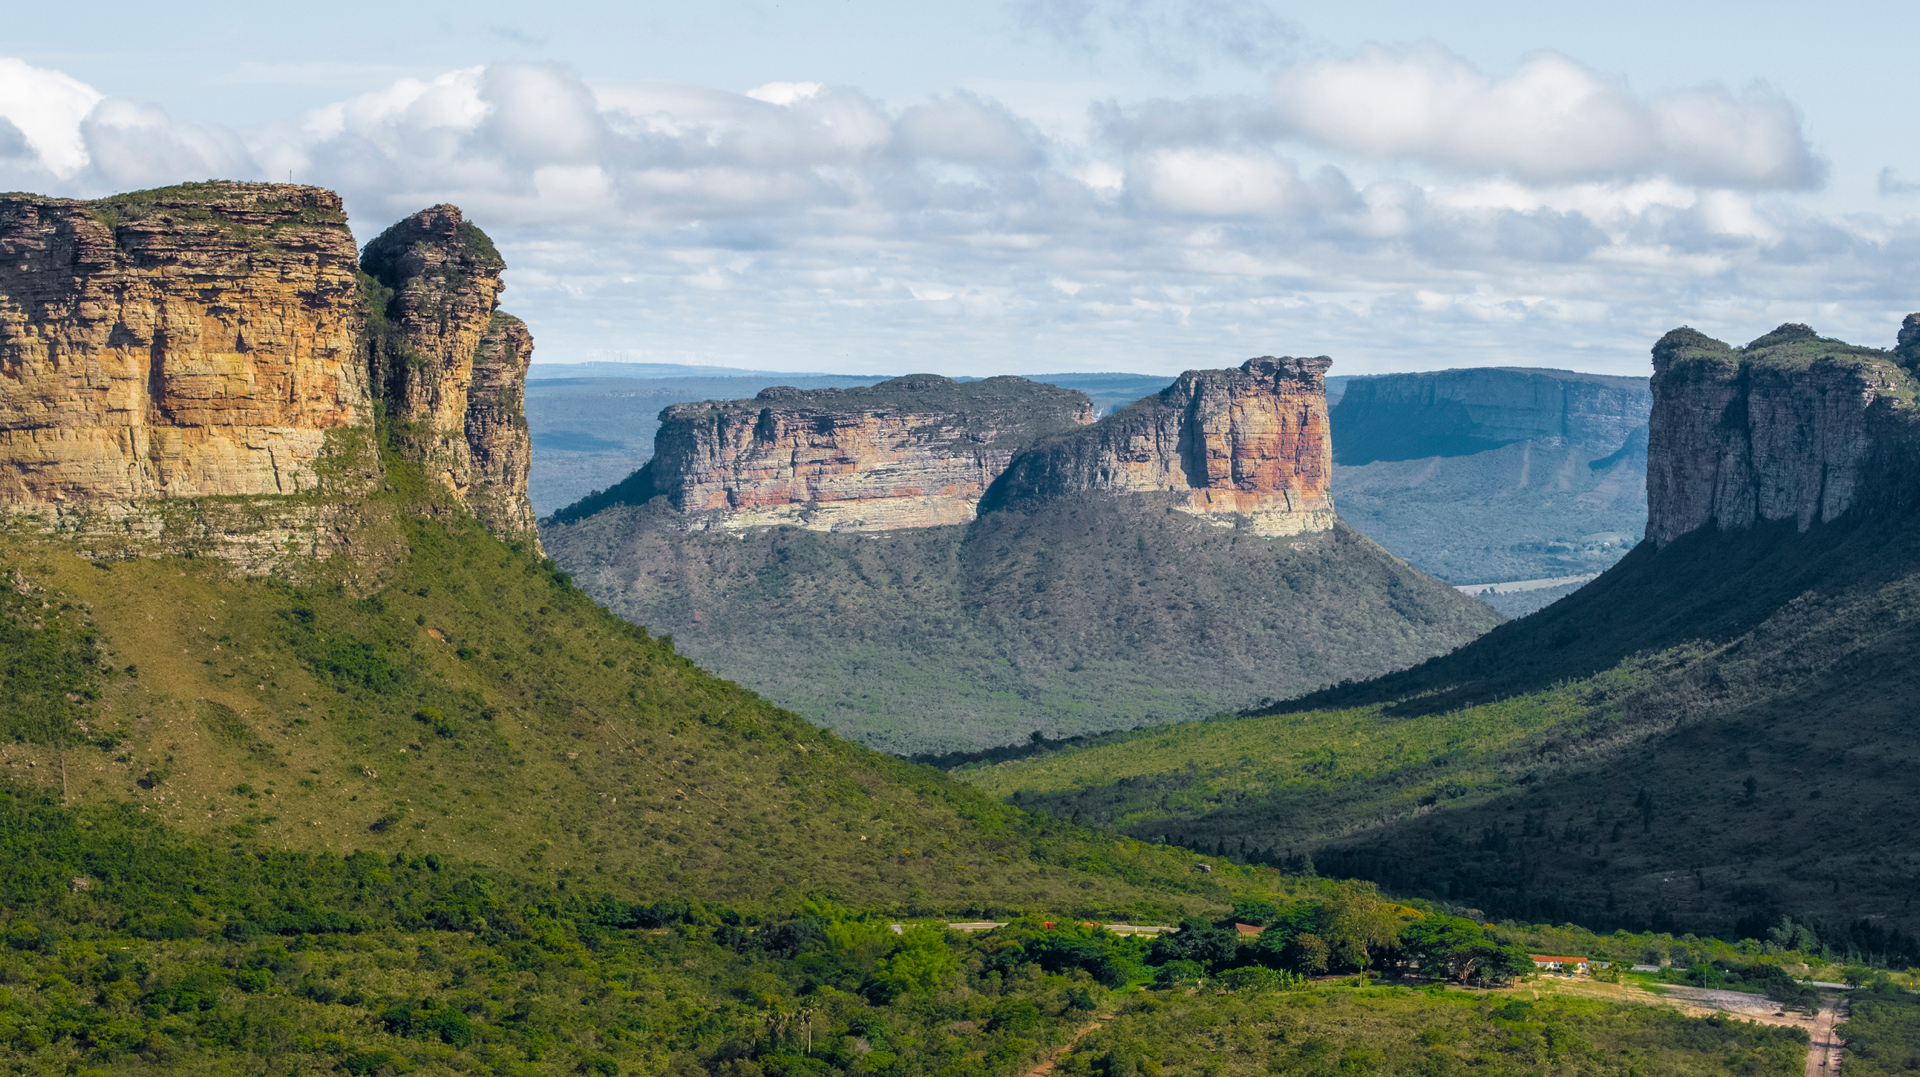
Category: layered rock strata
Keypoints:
(1460, 412)
(917, 451)
(1244, 447)
(451, 368)
(192, 343)
(191, 369)
(1793, 426)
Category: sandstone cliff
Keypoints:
(1229, 445)
(917, 451)
(451, 368)
(191, 369)
(186, 344)
(1460, 412)
(1794, 426)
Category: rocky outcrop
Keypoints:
(917, 451)
(193, 369)
(193, 344)
(451, 368)
(1794, 426)
(1234, 446)
(1461, 412)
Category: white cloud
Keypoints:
(46, 108)
(812, 226)
(133, 144)
(1215, 182)
(1553, 120)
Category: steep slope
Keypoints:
(1176, 559)
(1707, 735)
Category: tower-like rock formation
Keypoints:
(1794, 426)
(450, 366)
(916, 451)
(1245, 445)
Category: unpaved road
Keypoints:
(1823, 1058)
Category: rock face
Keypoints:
(191, 368)
(1248, 445)
(1461, 412)
(190, 343)
(453, 369)
(1793, 426)
(917, 451)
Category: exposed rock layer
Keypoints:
(188, 346)
(188, 369)
(1793, 426)
(1249, 445)
(453, 369)
(917, 451)
(1460, 412)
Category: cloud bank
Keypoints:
(1395, 209)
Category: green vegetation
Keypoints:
(1401, 1030)
(1687, 744)
(235, 207)
(1082, 617)
(1882, 1031)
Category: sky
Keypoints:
(1050, 185)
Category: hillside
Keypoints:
(1103, 585)
(346, 778)
(1706, 737)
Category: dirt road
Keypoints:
(1823, 1057)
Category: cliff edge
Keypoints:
(1386, 417)
(916, 451)
(1793, 426)
(451, 366)
(1249, 444)
(196, 369)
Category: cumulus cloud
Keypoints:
(1552, 120)
(45, 108)
(811, 225)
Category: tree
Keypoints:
(1360, 925)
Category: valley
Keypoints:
(313, 761)
(1703, 738)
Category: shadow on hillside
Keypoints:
(1706, 586)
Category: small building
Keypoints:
(1572, 966)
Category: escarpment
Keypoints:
(452, 368)
(1249, 444)
(916, 451)
(193, 369)
(1793, 426)
(1460, 412)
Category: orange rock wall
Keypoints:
(918, 451)
(1249, 444)
(190, 347)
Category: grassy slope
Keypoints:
(1085, 616)
(1589, 762)
(568, 740)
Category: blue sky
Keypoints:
(1052, 184)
